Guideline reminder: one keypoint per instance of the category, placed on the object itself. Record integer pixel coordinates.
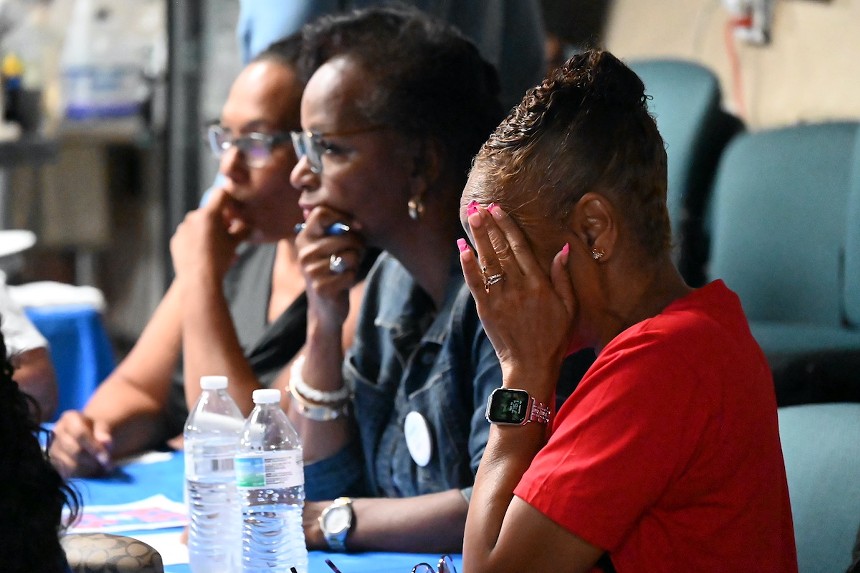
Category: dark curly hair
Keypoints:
(285, 51)
(32, 492)
(430, 80)
(586, 127)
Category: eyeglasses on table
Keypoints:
(445, 565)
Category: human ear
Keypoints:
(426, 160)
(595, 223)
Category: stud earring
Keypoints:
(416, 208)
(597, 254)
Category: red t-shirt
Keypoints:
(667, 455)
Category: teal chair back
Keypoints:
(852, 241)
(686, 103)
(821, 447)
(779, 235)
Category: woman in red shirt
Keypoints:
(667, 455)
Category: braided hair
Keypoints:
(32, 492)
(586, 127)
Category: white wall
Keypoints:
(809, 72)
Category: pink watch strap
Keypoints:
(538, 412)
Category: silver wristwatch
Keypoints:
(336, 521)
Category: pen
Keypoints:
(332, 565)
(333, 229)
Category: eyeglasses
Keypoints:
(312, 144)
(255, 147)
(445, 565)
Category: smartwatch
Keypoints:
(336, 521)
(512, 407)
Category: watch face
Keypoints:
(337, 519)
(507, 406)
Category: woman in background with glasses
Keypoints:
(237, 305)
(397, 105)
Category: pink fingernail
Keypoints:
(472, 208)
(462, 245)
(495, 210)
(565, 253)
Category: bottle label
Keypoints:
(213, 461)
(271, 470)
(213, 466)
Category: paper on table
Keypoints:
(172, 550)
(146, 458)
(156, 512)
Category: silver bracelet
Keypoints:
(312, 394)
(317, 412)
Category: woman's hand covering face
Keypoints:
(527, 314)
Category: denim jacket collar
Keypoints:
(410, 306)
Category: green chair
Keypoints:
(821, 447)
(851, 290)
(686, 103)
(782, 204)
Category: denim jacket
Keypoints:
(407, 356)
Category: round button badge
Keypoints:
(419, 440)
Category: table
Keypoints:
(139, 480)
(80, 350)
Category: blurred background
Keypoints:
(102, 150)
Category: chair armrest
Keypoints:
(101, 552)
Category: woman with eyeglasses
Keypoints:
(237, 305)
(395, 108)
(667, 455)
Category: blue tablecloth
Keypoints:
(80, 350)
(140, 480)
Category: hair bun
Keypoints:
(601, 77)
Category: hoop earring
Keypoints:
(416, 208)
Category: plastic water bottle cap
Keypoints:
(267, 396)
(213, 382)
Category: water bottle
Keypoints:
(271, 483)
(211, 442)
(101, 63)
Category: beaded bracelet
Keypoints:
(312, 394)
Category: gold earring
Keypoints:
(416, 208)
(597, 254)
